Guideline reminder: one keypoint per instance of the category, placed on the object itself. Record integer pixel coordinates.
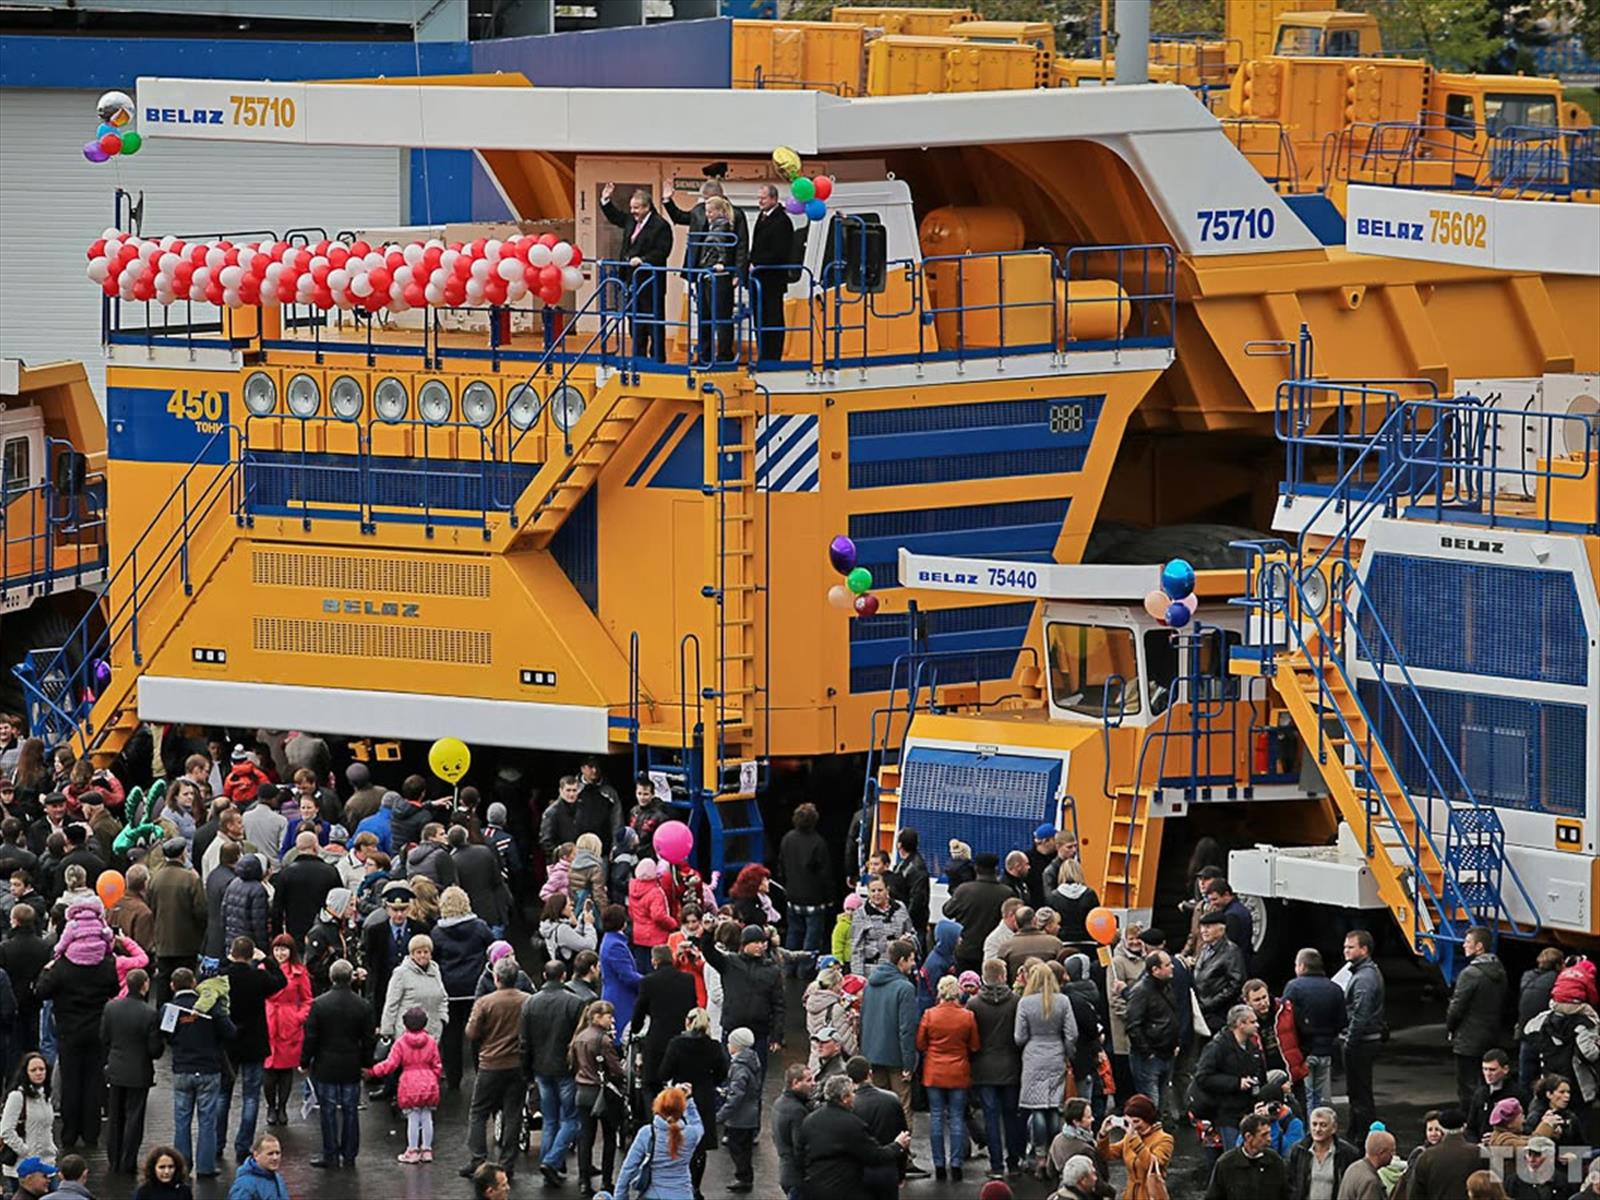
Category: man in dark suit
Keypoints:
(667, 996)
(772, 254)
(646, 242)
(698, 223)
(387, 940)
(130, 1030)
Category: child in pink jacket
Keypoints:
(86, 938)
(416, 1056)
(128, 955)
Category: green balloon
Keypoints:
(859, 580)
(802, 189)
(131, 142)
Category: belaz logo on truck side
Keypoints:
(958, 577)
(1404, 231)
(183, 116)
(1478, 544)
(333, 606)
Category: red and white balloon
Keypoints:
(332, 274)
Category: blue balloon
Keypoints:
(1177, 579)
(816, 210)
(1177, 615)
(105, 129)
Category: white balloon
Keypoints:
(493, 248)
(516, 289)
(571, 278)
(230, 278)
(397, 293)
(108, 234)
(509, 269)
(413, 254)
(246, 257)
(230, 297)
(201, 277)
(216, 258)
(439, 278)
(374, 260)
(344, 301)
(163, 282)
(447, 260)
(168, 262)
(273, 272)
(338, 279)
(561, 254)
(402, 275)
(135, 268)
(480, 269)
(539, 255)
(149, 250)
(361, 286)
(127, 291)
(196, 292)
(269, 297)
(474, 291)
(99, 269)
(433, 295)
(318, 260)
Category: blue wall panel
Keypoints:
(678, 54)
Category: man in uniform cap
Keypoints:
(387, 940)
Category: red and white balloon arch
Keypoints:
(335, 274)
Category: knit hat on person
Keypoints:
(959, 849)
(496, 813)
(1452, 1119)
(970, 981)
(497, 951)
(1505, 1112)
(752, 933)
(338, 900)
(852, 902)
(742, 1038)
(1077, 966)
(1141, 1107)
(393, 801)
(646, 869)
(995, 1189)
(238, 754)
(416, 1019)
(1272, 1089)
(1044, 833)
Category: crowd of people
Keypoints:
(612, 1018)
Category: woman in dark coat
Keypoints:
(699, 1062)
(461, 943)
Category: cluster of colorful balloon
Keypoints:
(807, 196)
(336, 274)
(116, 134)
(1174, 602)
(856, 590)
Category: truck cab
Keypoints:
(1330, 34)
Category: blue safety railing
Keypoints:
(1442, 153)
(52, 537)
(60, 685)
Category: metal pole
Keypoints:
(1133, 41)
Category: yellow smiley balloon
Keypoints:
(449, 759)
(787, 162)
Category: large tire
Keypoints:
(1205, 547)
(50, 622)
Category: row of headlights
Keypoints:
(391, 401)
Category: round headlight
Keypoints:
(389, 399)
(477, 403)
(344, 398)
(566, 407)
(522, 406)
(304, 396)
(260, 394)
(1314, 591)
(433, 402)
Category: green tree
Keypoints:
(1457, 35)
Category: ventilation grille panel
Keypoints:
(363, 639)
(407, 577)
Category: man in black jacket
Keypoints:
(805, 868)
(478, 874)
(666, 996)
(131, 1031)
(1155, 1028)
(338, 1045)
(302, 887)
(216, 885)
(1498, 1083)
(772, 262)
(976, 907)
(788, 1114)
(23, 955)
(1252, 1170)
(1473, 1019)
(1318, 1006)
(197, 1036)
(997, 1068)
(1218, 971)
(646, 243)
(885, 1118)
(1312, 1155)
(549, 1019)
(80, 994)
(386, 941)
(252, 975)
(837, 1150)
(1231, 1072)
(752, 988)
(909, 882)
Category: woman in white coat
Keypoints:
(27, 1122)
(416, 982)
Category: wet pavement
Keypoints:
(1414, 1074)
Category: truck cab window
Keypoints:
(16, 469)
(1091, 666)
(1458, 115)
(1161, 668)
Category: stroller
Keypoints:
(638, 1112)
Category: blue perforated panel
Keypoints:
(285, 479)
(1514, 753)
(992, 803)
(993, 632)
(950, 442)
(1509, 622)
(576, 547)
(1021, 531)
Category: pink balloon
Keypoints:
(1191, 602)
(1155, 603)
(674, 842)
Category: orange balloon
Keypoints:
(110, 887)
(1102, 925)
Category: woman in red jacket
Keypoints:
(287, 1009)
(948, 1038)
(647, 909)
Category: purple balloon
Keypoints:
(791, 206)
(842, 554)
(92, 151)
(102, 672)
